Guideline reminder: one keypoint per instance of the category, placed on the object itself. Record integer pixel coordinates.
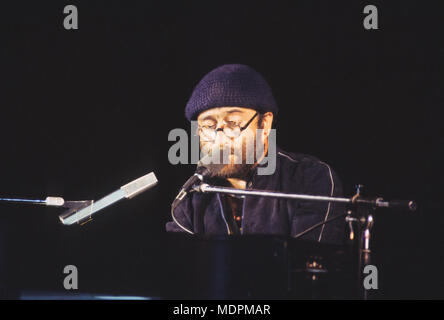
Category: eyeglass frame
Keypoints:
(245, 126)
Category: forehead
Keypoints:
(224, 111)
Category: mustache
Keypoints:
(214, 151)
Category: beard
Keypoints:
(238, 171)
(231, 166)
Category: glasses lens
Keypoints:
(232, 132)
(207, 134)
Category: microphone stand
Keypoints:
(360, 213)
(70, 206)
(51, 202)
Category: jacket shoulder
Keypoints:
(292, 162)
(293, 157)
(307, 169)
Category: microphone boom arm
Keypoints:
(376, 202)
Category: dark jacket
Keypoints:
(295, 173)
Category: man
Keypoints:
(234, 108)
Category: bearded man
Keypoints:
(234, 108)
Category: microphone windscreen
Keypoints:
(139, 185)
(212, 168)
(54, 201)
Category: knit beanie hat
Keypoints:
(231, 85)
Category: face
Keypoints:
(231, 119)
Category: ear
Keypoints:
(267, 121)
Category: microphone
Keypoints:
(129, 191)
(205, 169)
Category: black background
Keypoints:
(86, 111)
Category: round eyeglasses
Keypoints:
(231, 129)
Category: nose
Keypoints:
(220, 137)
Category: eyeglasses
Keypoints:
(231, 129)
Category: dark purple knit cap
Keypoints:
(231, 85)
